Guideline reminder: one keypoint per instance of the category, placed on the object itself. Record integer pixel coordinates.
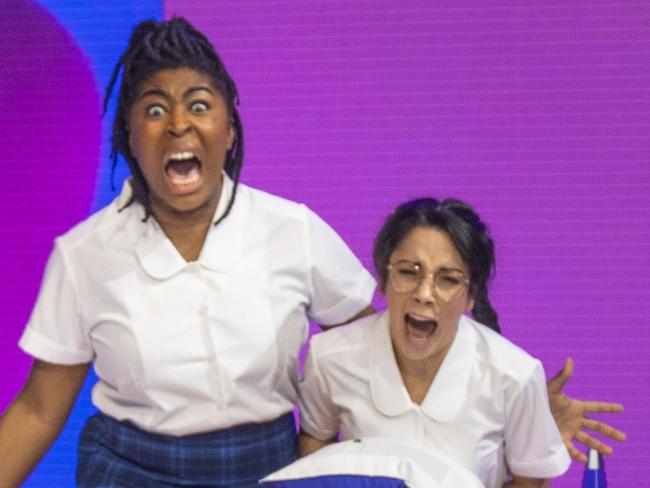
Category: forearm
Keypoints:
(24, 438)
(369, 310)
(35, 418)
(308, 444)
(523, 482)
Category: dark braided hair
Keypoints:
(153, 47)
(466, 230)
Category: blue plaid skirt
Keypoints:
(118, 454)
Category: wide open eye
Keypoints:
(198, 107)
(155, 110)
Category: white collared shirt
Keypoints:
(487, 407)
(179, 347)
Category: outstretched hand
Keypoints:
(569, 413)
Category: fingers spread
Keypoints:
(603, 407)
(574, 453)
(605, 429)
(593, 443)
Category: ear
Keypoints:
(231, 136)
(470, 304)
(130, 144)
(382, 287)
(127, 128)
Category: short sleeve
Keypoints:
(55, 331)
(319, 416)
(534, 447)
(339, 285)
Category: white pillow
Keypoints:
(380, 457)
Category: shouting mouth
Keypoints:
(183, 170)
(419, 329)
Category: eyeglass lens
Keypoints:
(406, 276)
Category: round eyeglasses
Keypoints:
(405, 276)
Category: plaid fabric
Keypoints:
(118, 454)
(339, 481)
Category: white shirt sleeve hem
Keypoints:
(41, 347)
(345, 310)
(555, 465)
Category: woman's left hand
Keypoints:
(569, 413)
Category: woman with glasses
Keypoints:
(425, 372)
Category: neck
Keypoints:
(186, 230)
(418, 375)
(188, 238)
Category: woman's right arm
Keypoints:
(308, 444)
(524, 482)
(33, 421)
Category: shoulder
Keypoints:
(290, 221)
(97, 227)
(275, 210)
(344, 340)
(262, 201)
(501, 356)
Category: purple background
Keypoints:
(535, 112)
(50, 125)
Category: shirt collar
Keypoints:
(158, 256)
(224, 243)
(386, 386)
(449, 389)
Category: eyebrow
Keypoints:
(443, 268)
(447, 269)
(158, 92)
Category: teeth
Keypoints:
(185, 180)
(181, 155)
(419, 318)
(185, 171)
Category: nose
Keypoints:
(424, 293)
(178, 122)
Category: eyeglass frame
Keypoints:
(436, 291)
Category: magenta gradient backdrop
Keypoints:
(535, 112)
(50, 125)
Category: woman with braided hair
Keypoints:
(197, 300)
(194, 309)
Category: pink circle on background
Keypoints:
(50, 124)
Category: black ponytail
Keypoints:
(483, 311)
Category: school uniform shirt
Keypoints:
(187, 347)
(487, 407)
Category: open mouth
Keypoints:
(183, 168)
(419, 329)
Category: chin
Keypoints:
(417, 354)
(183, 203)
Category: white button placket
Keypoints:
(420, 426)
(216, 381)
